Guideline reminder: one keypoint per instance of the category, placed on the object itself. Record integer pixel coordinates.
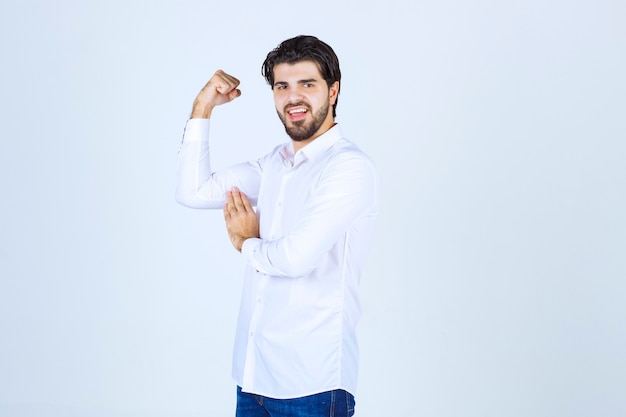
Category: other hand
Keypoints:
(241, 220)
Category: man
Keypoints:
(305, 247)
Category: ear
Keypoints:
(333, 91)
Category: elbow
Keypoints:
(190, 200)
(296, 265)
(183, 199)
(296, 271)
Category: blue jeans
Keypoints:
(337, 403)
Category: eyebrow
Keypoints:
(310, 80)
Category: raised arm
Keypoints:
(198, 186)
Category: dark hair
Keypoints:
(304, 48)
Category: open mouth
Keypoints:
(297, 113)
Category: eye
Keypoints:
(308, 85)
(280, 86)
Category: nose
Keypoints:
(295, 94)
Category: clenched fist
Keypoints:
(221, 88)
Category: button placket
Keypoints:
(252, 332)
(276, 229)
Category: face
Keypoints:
(303, 100)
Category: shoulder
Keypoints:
(276, 154)
(347, 163)
(348, 152)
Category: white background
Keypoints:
(496, 285)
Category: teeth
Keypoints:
(297, 111)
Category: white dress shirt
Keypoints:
(300, 303)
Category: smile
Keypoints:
(297, 113)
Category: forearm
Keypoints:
(194, 168)
(342, 205)
(201, 110)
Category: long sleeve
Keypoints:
(197, 185)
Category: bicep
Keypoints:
(245, 176)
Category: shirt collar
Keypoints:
(312, 150)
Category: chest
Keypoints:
(285, 195)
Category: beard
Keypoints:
(301, 130)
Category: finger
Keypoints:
(246, 203)
(236, 197)
(241, 201)
(226, 212)
(229, 78)
(225, 83)
(225, 88)
(234, 94)
(228, 91)
(230, 205)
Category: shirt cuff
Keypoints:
(249, 249)
(196, 130)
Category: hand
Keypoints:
(220, 89)
(241, 220)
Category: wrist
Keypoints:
(201, 110)
(240, 242)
